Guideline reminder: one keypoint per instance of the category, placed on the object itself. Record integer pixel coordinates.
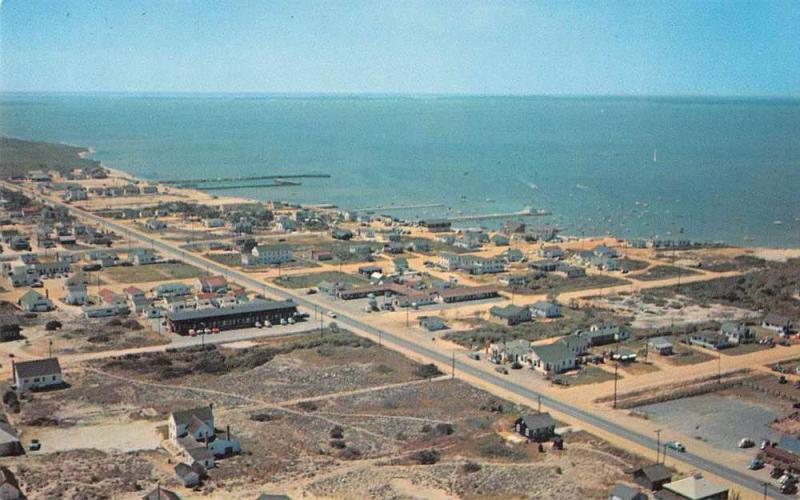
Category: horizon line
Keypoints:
(257, 93)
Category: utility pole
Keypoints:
(719, 367)
(453, 372)
(766, 485)
(539, 403)
(658, 444)
(616, 377)
(50, 349)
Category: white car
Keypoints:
(331, 314)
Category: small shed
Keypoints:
(653, 477)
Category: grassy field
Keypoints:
(551, 283)
(314, 279)
(151, 272)
(633, 264)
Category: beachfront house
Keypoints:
(262, 255)
(170, 290)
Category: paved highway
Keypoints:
(415, 346)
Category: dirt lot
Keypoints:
(663, 272)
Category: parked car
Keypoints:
(34, 445)
(755, 464)
(331, 314)
(676, 445)
(311, 291)
(501, 369)
(474, 355)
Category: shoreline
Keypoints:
(87, 151)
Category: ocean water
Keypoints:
(713, 169)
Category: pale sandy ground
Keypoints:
(131, 436)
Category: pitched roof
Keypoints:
(625, 492)
(159, 493)
(182, 470)
(694, 487)
(37, 367)
(553, 353)
(538, 420)
(7, 477)
(656, 472)
(777, 319)
(30, 297)
(184, 417)
(509, 311)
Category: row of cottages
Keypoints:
(36, 374)
(262, 255)
(196, 440)
(243, 315)
(436, 225)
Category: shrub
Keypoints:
(114, 322)
(426, 457)
(98, 339)
(444, 429)
(427, 371)
(337, 432)
(350, 453)
(262, 417)
(132, 324)
(339, 444)
(469, 467)
(53, 324)
(493, 446)
(307, 406)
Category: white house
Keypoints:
(32, 301)
(36, 374)
(267, 254)
(194, 436)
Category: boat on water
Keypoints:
(777, 222)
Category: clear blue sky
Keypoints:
(643, 47)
